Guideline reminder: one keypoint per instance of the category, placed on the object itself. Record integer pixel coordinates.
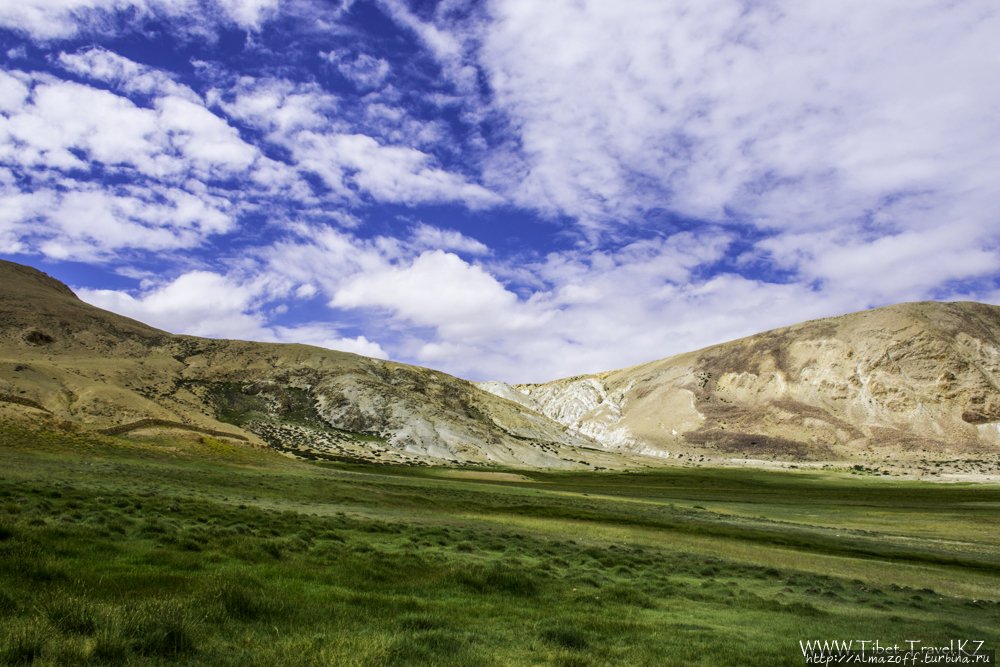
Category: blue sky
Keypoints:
(504, 189)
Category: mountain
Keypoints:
(900, 381)
(906, 379)
(81, 367)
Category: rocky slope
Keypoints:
(88, 368)
(906, 379)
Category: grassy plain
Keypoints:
(174, 550)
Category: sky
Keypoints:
(501, 189)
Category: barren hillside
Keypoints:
(89, 368)
(898, 381)
(909, 378)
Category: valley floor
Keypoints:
(983, 468)
(159, 550)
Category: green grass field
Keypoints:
(133, 550)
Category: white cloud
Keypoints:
(440, 289)
(310, 124)
(859, 138)
(585, 310)
(60, 19)
(278, 106)
(126, 75)
(198, 303)
(305, 291)
(46, 123)
(86, 223)
(875, 119)
(388, 173)
(425, 237)
(449, 42)
(249, 13)
(322, 335)
(904, 266)
(365, 71)
(719, 104)
(167, 154)
(202, 303)
(359, 345)
(849, 147)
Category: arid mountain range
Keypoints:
(908, 380)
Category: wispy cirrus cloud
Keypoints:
(59, 140)
(297, 118)
(365, 71)
(60, 19)
(174, 161)
(790, 115)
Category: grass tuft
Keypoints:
(71, 613)
(565, 633)
(160, 628)
(24, 643)
(499, 578)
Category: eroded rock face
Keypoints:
(911, 377)
(585, 405)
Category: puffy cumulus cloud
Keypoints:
(619, 323)
(624, 328)
(203, 303)
(579, 310)
(441, 290)
(359, 345)
(89, 223)
(325, 257)
(349, 162)
(321, 335)
(306, 291)
(60, 19)
(198, 303)
(249, 13)
(64, 125)
(279, 107)
(909, 265)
